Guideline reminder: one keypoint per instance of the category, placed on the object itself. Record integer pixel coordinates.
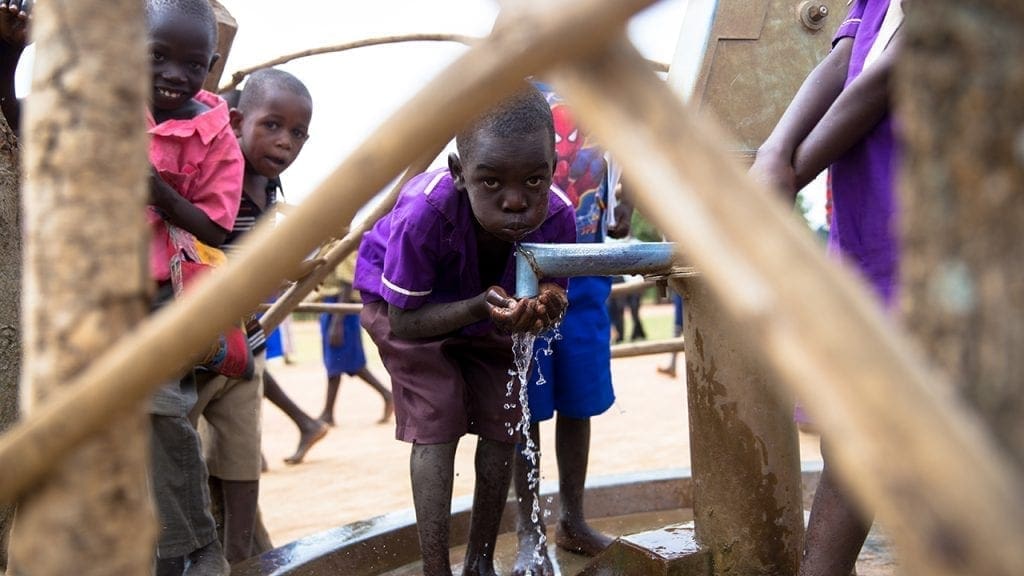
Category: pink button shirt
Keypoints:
(201, 160)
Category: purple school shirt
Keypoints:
(863, 196)
(424, 250)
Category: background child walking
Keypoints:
(841, 117)
(434, 276)
(342, 341)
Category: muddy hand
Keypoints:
(550, 305)
(508, 314)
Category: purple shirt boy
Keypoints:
(864, 203)
(424, 250)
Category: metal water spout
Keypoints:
(536, 261)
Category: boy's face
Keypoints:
(507, 180)
(182, 55)
(272, 132)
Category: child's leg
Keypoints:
(240, 505)
(493, 472)
(369, 378)
(333, 383)
(572, 450)
(836, 530)
(532, 557)
(311, 431)
(432, 469)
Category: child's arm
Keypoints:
(184, 214)
(774, 161)
(434, 319)
(508, 314)
(855, 113)
(14, 21)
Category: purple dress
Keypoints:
(863, 226)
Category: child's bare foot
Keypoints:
(208, 561)
(306, 441)
(581, 538)
(389, 409)
(532, 558)
(669, 371)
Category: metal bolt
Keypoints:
(812, 14)
(817, 13)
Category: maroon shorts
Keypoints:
(447, 386)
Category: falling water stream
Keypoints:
(523, 350)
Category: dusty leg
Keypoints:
(333, 383)
(670, 370)
(835, 532)
(493, 472)
(310, 429)
(572, 450)
(239, 517)
(389, 404)
(532, 556)
(432, 468)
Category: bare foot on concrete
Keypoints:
(581, 539)
(669, 371)
(306, 441)
(532, 558)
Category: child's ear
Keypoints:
(213, 60)
(236, 116)
(455, 167)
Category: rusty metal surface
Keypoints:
(743, 447)
(758, 54)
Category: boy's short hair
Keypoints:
(198, 10)
(262, 81)
(524, 112)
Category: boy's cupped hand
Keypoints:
(533, 315)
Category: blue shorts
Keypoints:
(577, 376)
(348, 358)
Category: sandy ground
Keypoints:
(359, 470)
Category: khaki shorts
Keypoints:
(230, 427)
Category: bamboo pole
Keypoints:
(86, 283)
(298, 291)
(324, 308)
(908, 448)
(116, 381)
(647, 348)
(240, 75)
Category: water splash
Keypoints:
(524, 352)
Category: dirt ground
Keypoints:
(359, 470)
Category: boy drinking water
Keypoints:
(434, 276)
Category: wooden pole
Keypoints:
(647, 348)
(116, 381)
(909, 449)
(227, 27)
(10, 300)
(961, 236)
(85, 282)
(298, 291)
(240, 75)
(323, 307)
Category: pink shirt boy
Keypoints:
(201, 160)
